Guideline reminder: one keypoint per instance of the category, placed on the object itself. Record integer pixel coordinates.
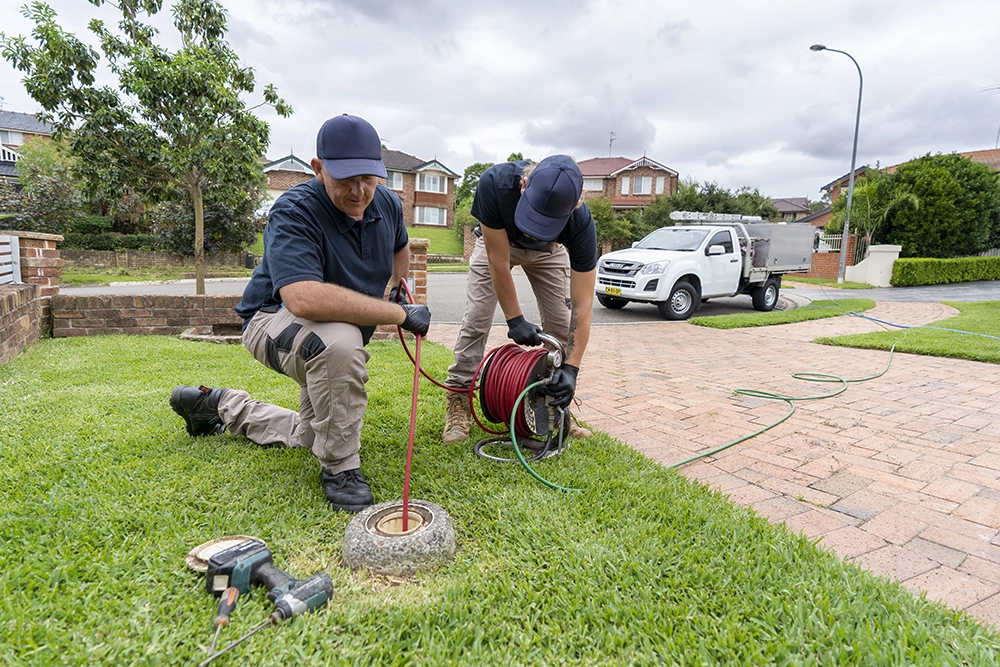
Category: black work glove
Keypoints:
(397, 295)
(418, 318)
(562, 386)
(523, 332)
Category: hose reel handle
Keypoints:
(557, 355)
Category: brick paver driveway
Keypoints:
(900, 474)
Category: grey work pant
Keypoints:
(328, 360)
(547, 271)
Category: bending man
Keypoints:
(529, 216)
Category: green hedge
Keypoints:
(908, 272)
(109, 241)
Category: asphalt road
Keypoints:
(446, 297)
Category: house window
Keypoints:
(394, 181)
(659, 184)
(11, 137)
(593, 184)
(625, 184)
(432, 216)
(643, 185)
(432, 183)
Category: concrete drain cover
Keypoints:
(375, 540)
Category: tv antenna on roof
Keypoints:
(611, 141)
(993, 90)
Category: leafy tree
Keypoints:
(49, 200)
(752, 202)
(175, 120)
(959, 210)
(44, 157)
(463, 218)
(611, 226)
(470, 179)
(514, 157)
(231, 222)
(874, 201)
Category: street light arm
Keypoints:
(854, 156)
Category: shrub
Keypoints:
(909, 272)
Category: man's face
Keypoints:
(350, 195)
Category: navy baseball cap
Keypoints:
(553, 191)
(349, 146)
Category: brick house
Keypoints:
(791, 209)
(427, 189)
(285, 173)
(15, 129)
(626, 182)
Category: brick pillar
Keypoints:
(41, 265)
(469, 241)
(418, 274)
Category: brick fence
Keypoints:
(19, 325)
(25, 309)
(161, 314)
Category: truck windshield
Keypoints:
(672, 238)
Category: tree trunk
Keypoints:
(199, 239)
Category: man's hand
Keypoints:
(523, 332)
(397, 295)
(562, 386)
(418, 318)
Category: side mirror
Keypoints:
(716, 250)
(635, 243)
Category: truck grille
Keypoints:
(616, 267)
(615, 282)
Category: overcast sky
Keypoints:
(718, 90)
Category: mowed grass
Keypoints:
(814, 311)
(933, 340)
(442, 241)
(104, 494)
(86, 275)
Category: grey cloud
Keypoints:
(583, 126)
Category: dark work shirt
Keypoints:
(308, 238)
(497, 194)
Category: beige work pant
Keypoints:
(548, 273)
(328, 360)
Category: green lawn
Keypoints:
(86, 275)
(104, 494)
(825, 282)
(977, 318)
(443, 241)
(814, 311)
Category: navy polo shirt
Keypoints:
(308, 238)
(497, 194)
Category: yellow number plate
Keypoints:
(614, 291)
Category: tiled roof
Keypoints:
(988, 157)
(819, 218)
(23, 122)
(398, 161)
(603, 166)
(790, 204)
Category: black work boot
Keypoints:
(199, 406)
(347, 491)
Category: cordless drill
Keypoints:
(247, 564)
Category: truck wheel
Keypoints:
(611, 302)
(682, 302)
(765, 297)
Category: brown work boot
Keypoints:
(576, 431)
(457, 419)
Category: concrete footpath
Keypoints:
(899, 475)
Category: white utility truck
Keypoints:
(706, 255)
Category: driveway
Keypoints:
(899, 475)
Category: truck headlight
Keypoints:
(655, 268)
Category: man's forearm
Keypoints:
(581, 291)
(325, 302)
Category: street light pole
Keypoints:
(854, 156)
